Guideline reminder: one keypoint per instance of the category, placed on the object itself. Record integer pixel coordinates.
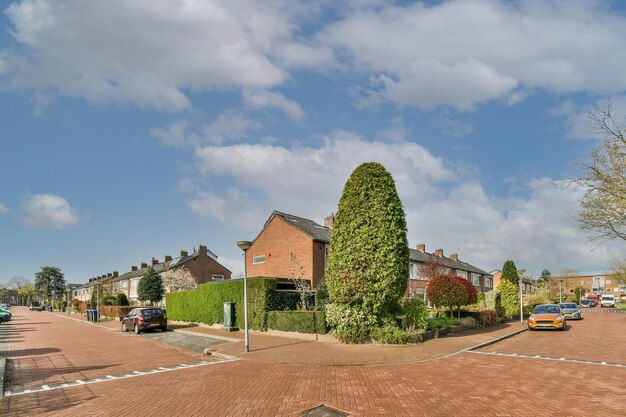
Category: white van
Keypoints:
(607, 301)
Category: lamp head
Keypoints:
(244, 245)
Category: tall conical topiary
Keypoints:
(368, 258)
(509, 272)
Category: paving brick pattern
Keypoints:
(598, 337)
(48, 348)
(461, 385)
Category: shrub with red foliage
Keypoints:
(472, 295)
(487, 318)
(447, 291)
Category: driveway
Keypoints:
(465, 384)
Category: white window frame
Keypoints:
(257, 260)
(475, 277)
(215, 276)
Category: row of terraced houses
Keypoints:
(269, 256)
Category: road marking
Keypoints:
(547, 358)
(106, 378)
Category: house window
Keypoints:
(124, 285)
(258, 260)
(488, 283)
(413, 271)
(462, 274)
(217, 277)
(476, 280)
(608, 281)
(133, 284)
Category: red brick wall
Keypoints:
(203, 267)
(275, 242)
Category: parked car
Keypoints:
(4, 306)
(547, 316)
(5, 315)
(587, 303)
(607, 301)
(146, 318)
(36, 306)
(571, 311)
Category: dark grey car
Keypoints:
(571, 311)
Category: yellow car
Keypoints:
(547, 316)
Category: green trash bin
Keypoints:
(230, 320)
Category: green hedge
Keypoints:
(297, 321)
(205, 304)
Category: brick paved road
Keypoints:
(462, 385)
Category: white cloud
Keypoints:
(445, 205)
(577, 120)
(260, 99)
(173, 135)
(424, 56)
(49, 211)
(3, 209)
(147, 52)
(395, 132)
(228, 126)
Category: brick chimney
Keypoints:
(167, 258)
(202, 250)
(109, 275)
(155, 261)
(115, 273)
(454, 256)
(328, 221)
(421, 247)
(133, 268)
(439, 253)
(184, 253)
(144, 265)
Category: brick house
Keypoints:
(284, 233)
(599, 283)
(418, 257)
(202, 265)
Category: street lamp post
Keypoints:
(521, 301)
(244, 245)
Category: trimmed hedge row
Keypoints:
(205, 304)
(484, 316)
(297, 321)
(114, 311)
(289, 300)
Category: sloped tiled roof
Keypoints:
(309, 227)
(424, 257)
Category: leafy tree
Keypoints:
(579, 292)
(545, 275)
(121, 300)
(472, 294)
(150, 287)
(368, 258)
(602, 211)
(50, 283)
(179, 279)
(509, 272)
(27, 293)
(509, 293)
(446, 291)
(618, 266)
(321, 295)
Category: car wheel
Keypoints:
(137, 331)
(124, 328)
(531, 329)
(164, 329)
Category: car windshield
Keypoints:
(568, 305)
(607, 297)
(152, 312)
(545, 309)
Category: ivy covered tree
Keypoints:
(447, 291)
(509, 295)
(368, 258)
(150, 287)
(50, 283)
(509, 272)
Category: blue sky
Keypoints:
(132, 130)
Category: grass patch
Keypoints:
(621, 305)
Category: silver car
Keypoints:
(571, 311)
